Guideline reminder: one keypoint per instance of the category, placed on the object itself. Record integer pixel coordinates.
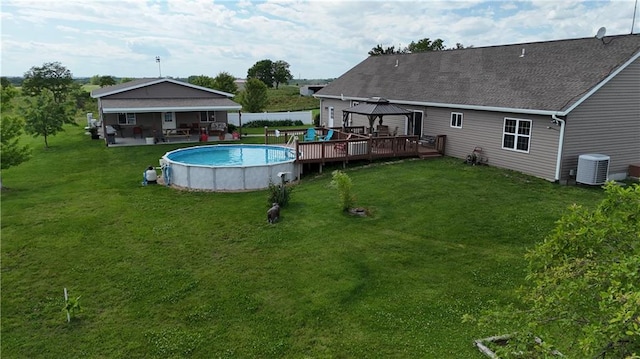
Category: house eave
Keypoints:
(169, 109)
(160, 80)
(456, 106)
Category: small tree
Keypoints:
(12, 153)
(281, 73)
(342, 182)
(254, 97)
(583, 286)
(45, 117)
(225, 82)
(51, 76)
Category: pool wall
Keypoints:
(232, 178)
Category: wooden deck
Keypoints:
(345, 147)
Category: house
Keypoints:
(531, 107)
(160, 107)
(308, 90)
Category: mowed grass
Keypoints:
(164, 273)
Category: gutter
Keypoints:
(560, 122)
(453, 106)
(170, 109)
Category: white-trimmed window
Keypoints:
(126, 119)
(516, 134)
(207, 116)
(456, 119)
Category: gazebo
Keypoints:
(374, 107)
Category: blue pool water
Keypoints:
(231, 155)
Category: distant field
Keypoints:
(89, 87)
(287, 98)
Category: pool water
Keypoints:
(229, 167)
(231, 156)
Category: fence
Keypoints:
(305, 116)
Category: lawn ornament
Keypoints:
(273, 214)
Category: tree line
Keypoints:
(422, 45)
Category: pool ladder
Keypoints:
(291, 140)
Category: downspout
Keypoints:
(560, 123)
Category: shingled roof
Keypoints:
(138, 83)
(539, 76)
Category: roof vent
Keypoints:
(522, 54)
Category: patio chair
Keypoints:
(137, 131)
(310, 135)
(327, 137)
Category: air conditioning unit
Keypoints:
(593, 169)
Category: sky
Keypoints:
(319, 39)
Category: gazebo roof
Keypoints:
(377, 106)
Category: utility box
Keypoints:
(593, 169)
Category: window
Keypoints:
(168, 117)
(516, 135)
(207, 116)
(126, 119)
(456, 119)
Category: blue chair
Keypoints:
(327, 137)
(310, 135)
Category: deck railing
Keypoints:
(344, 146)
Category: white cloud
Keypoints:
(319, 39)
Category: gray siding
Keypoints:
(479, 128)
(164, 90)
(338, 106)
(484, 129)
(608, 123)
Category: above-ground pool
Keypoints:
(228, 167)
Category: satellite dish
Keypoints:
(600, 33)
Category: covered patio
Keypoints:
(162, 110)
(375, 108)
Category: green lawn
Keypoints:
(164, 273)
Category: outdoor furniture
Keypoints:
(137, 131)
(327, 137)
(177, 132)
(217, 128)
(310, 135)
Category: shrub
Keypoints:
(316, 120)
(582, 289)
(342, 182)
(231, 128)
(278, 193)
(279, 123)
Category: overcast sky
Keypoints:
(319, 39)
